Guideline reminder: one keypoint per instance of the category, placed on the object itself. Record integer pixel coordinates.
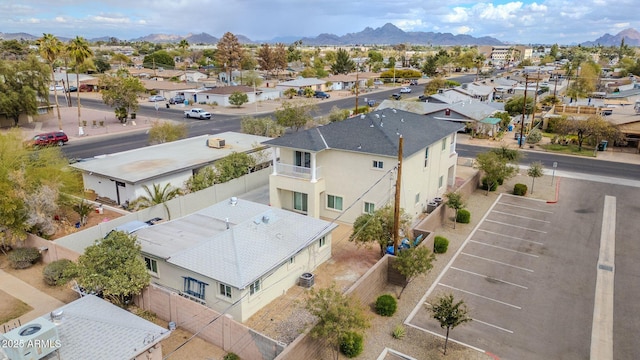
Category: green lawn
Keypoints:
(568, 149)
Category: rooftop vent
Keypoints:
(265, 219)
(56, 316)
(216, 143)
(233, 201)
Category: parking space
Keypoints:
(509, 275)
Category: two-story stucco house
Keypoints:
(235, 256)
(348, 168)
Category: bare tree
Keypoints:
(229, 53)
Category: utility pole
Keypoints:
(357, 84)
(535, 98)
(396, 205)
(524, 110)
(555, 87)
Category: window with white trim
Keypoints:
(377, 164)
(225, 290)
(369, 208)
(300, 201)
(302, 159)
(334, 202)
(444, 143)
(292, 260)
(441, 181)
(255, 287)
(426, 157)
(417, 198)
(322, 242)
(152, 265)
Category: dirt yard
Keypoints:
(68, 218)
(11, 308)
(196, 348)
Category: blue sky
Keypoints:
(543, 21)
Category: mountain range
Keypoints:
(388, 34)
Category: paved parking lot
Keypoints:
(520, 293)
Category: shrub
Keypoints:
(146, 314)
(463, 217)
(352, 344)
(399, 332)
(386, 305)
(231, 356)
(441, 243)
(520, 189)
(534, 137)
(53, 273)
(22, 258)
(485, 185)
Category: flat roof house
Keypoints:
(121, 176)
(235, 256)
(347, 168)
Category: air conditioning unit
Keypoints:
(216, 143)
(31, 341)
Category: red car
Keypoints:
(52, 138)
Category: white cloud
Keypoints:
(500, 12)
(623, 25)
(110, 20)
(538, 8)
(60, 19)
(463, 30)
(459, 15)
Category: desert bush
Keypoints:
(464, 216)
(53, 273)
(441, 243)
(22, 258)
(386, 305)
(231, 356)
(399, 332)
(352, 344)
(146, 314)
(520, 189)
(534, 137)
(485, 185)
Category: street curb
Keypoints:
(557, 193)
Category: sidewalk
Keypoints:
(41, 303)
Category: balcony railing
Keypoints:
(299, 172)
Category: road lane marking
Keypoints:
(496, 261)
(602, 323)
(515, 226)
(480, 296)
(520, 216)
(503, 248)
(493, 326)
(527, 208)
(511, 237)
(489, 277)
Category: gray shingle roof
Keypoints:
(374, 133)
(259, 239)
(92, 328)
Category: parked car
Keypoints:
(178, 99)
(396, 96)
(57, 87)
(405, 90)
(197, 113)
(53, 138)
(155, 98)
(321, 95)
(72, 89)
(378, 82)
(413, 82)
(423, 98)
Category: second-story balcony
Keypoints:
(299, 172)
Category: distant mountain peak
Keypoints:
(631, 37)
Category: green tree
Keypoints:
(337, 315)
(343, 64)
(536, 170)
(32, 183)
(121, 91)
(158, 59)
(229, 53)
(101, 64)
(79, 51)
(203, 179)
(113, 267)
(377, 227)
(238, 98)
(50, 48)
(338, 114)
(515, 104)
(449, 314)
(294, 116)
(455, 202)
(430, 66)
(23, 83)
(263, 126)
(159, 195)
(595, 128)
(233, 166)
(494, 167)
(534, 136)
(413, 262)
(290, 93)
(166, 131)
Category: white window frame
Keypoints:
(322, 242)
(304, 201)
(254, 288)
(225, 291)
(335, 197)
(378, 164)
(369, 205)
(426, 157)
(444, 143)
(149, 263)
(440, 181)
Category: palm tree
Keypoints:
(157, 196)
(50, 48)
(79, 52)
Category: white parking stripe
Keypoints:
(515, 226)
(493, 326)
(520, 216)
(481, 296)
(527, 208)
(496, 261)
(511, 237)
(488, 277)
(503, 248)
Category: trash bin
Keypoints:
(522, 140)
(167, 105)
(604, 144)
(510, 127)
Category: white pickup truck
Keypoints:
(197, 113)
